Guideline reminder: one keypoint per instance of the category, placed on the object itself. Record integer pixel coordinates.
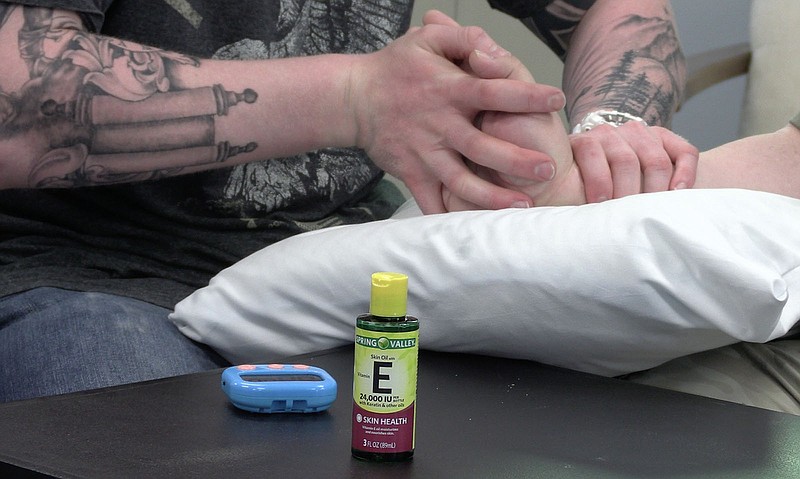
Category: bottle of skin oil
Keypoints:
(385, 374)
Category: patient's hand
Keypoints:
(536, 131)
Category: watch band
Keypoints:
(605, 117)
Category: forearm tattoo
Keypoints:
(647, 81)
(97, 110)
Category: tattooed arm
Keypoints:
(769, 162)
(625, 55)
(82, 109)
(621, 55)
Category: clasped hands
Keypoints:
(465, 126)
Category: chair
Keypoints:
(771, 61)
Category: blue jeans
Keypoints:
(55, 341)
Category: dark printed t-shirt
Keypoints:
(159, 240)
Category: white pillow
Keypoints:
(607, 288)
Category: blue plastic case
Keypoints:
(279, 388)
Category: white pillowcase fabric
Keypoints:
(607, 288)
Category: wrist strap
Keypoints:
(605, 117)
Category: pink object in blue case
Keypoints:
(279, 388)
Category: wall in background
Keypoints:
(711, 118)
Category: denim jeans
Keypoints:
(55, 341)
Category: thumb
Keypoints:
(488, 65)
(435, 17)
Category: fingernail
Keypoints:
(545, 171)
(680, 186)
(557, 101)
(601, 199)
(497, 51)
(520, 204)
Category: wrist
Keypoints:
(345, 76)
(568, 189)
(605, 117)
(359, 100)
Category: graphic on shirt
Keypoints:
(160, 240)
(187, 11)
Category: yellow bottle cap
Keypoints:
(389, 295)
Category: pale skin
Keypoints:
(768, 162)
(545, 132)
(541, 131)
(51, 64)
(623, 55)
(340, 100)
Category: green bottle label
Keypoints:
(385, 390)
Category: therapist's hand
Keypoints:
(415, 111)
(613, 162)
(633, 158)
(536, 131)
(541, 131)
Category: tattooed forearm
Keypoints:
(96, 110)
(647, 81)
(627, 62)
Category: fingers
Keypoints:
(483, 41)
(454, 203)
(461, 189)
(456, 42)
(485, 65)
(443, 168)
(494, 92)
(482, 61)
(593, 165)
(631, 159)
(494, 62)
(438, 177)
(502, 156)
(471, 192)
(511, 96)
(654, 163)
(685, 156)
(429, 197)
(606, 148)
(666, 159)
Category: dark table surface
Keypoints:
(477, 417)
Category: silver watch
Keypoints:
(605, 117)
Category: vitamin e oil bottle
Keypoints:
(385, 374)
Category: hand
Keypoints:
(542, 132)
(535, 131)
(633, 158)
(414, 108)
